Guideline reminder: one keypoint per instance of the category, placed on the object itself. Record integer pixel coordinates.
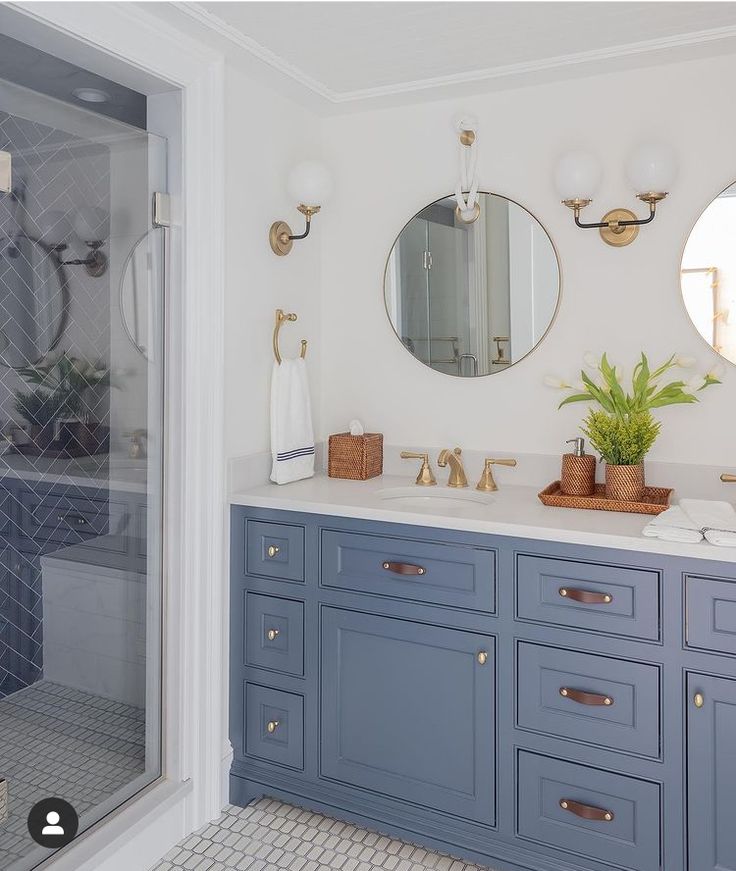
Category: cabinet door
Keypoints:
(711, 763)
(408, 711)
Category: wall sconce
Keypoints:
(651, 169)
(90, 225)
(310, 184)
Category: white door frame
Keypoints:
(195, 721)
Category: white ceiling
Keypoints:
(353, 51)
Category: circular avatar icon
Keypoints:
(53, 822)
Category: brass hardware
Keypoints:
(584, 698)
(586, 597)
(487, 481)
(272, 726)
(728, 479)
(619, 227)
(6, 172)
(404, 568)
(425, 478)
(273, 550)
(72, 517)
(272, 634)
(467, 137)
(698, 700)
(586, 811)
(472, 219)
(457, 472)
(282, 316)
(482, 657)
(501, 359)
(280, 236)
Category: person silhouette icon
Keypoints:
(52, 827)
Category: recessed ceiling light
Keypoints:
(91, 95)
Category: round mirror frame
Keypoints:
(554, 313)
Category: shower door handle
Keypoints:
(6, 172)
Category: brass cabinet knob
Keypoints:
(482, 657)
(272, 634)
(698, 700)
(272, 726)
(272, 550)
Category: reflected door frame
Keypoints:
(195, 751)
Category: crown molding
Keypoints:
(559, 62)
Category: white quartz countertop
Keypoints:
(512, 510)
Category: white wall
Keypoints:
(265, 135)
(390, 163)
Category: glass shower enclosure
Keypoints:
(82, 274)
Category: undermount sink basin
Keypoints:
(437, 496)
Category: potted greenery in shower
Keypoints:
(73, 383)
(621, 426)
(40, 409)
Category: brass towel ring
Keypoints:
(282, 316)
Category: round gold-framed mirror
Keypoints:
(472, 299)
(708, 274)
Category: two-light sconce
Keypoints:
(310, 186)
(89, 224)
(650, 169)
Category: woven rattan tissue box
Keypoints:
(357, 457)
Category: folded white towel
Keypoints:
(673, 525)
(716, 520)
(292, 436)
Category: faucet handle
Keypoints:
(425, 478)
(487, 481)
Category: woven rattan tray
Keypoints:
(654, 501)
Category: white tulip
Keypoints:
(591, 361)
(684, 362)
(554, 381)
(716, 370)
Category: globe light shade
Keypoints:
(91, 224)
(309, 184)
(652, 167)
(577, 176)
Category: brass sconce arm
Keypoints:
(280, 235)
(619, 227)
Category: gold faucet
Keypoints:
(425, 478)
(487, 481)
(457, 472)
(728, 479)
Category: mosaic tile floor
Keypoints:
(270, 835)
(63, 742)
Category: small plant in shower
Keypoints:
(73, 383)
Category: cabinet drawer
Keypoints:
(564, 805)
(443, 574)
(595, 699)
(581, 595)
(408, 710)
(274, 725)
(274, 633)
(711, 614)
(275, 550)
(63, 518)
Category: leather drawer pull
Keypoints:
(586, 811)
(583, 698)
(404, 569)
(587, 597)
(72, 518)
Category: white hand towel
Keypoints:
(673, 525)
(292, 436)
(716, 520)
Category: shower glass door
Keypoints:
(82, 273)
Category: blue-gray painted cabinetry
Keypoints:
(527, 705)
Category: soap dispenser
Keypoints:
(578, 470)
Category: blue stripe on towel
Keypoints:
(297, 452)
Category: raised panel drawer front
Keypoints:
(711, 773)
(589, 812)
(408, 711)
(583, 595)
(274, 725)
(444, 574)
(274, 633)
(594, 699)
(275, 550)
(711, 614)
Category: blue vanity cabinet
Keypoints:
(526, 705)
(408, 711)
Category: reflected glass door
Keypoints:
(82, 273)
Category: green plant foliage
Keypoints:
(39, 407)
(70, 380)
(621, 440)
